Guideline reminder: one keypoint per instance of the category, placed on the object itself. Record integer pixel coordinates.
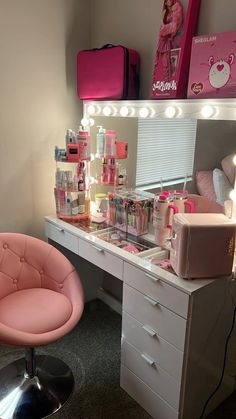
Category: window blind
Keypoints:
(165, 150)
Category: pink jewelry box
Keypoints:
(213, 66)
(202, 245)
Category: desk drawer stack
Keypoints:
(153, 339)
(172, 347)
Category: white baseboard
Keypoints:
(109, 300)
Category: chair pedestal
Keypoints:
(34, 387)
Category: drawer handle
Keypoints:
(59, 229)
(148, 360)
(98, 249)
(152, 277)
(151, 332)
(151, 301)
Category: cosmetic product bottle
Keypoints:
(81, 200)
(110, 143)
(117, 172)
(121, 149)
(75, 206)
(68, 203)
(68, 137)
(87, 205)
(84, 141)
(57, 177)
(120, 180)
(57, 200)
(104, 171)
(100, 141)
(81, 183)
(111, 171)
(81, 171)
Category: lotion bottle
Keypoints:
(100, 141)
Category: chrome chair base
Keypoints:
(22, 397)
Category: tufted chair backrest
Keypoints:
(27, 262)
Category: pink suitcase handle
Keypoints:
(190, 205)
(175, 211)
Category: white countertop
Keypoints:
(187, 286)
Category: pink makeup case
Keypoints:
(202, 245)
(108, 73)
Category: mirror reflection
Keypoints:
(182, 155)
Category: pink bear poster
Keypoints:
(178, 24)
(213, 66)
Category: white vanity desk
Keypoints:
(173, 330)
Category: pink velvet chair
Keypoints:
(41, 300)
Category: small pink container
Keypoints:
(202, 245)
(121, 149)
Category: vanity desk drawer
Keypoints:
(62, 237)
(146, 397)
(149, 311)
(167, 295)
(147, 340)
(147, 369)
(101, 258)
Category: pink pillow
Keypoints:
(229, 168)
(205, 186)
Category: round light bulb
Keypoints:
(170, 112)
(106, 111)
(124, 111)
(91, 110)
(232, 195)
(144, 112)
(91, 122)
(207, 111)
(84, 122)
(234, 160)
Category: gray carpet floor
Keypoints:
(92, 350)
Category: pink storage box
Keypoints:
(202, 245)
(108, 73)
(213, 66)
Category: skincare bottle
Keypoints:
(100, 141)
(104, 171)
(81, 183)
(75, 207)
(84, 141)
(111, 171)
(81, 171)
(110, 143)
(87, 205)
(81, 199)
(68, 203)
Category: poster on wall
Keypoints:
(212, 69)
(178, 25)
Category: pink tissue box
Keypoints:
(213, 66)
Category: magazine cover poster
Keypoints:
(178, 22)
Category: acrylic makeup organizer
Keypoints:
(130, 211)
(72, 182)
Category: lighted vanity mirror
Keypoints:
(189, 146)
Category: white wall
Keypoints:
(135, 24)
(39, 40)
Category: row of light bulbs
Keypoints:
(207, 111)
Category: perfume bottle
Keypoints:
(111, 171)
(104, 171)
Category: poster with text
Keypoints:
(178, 24)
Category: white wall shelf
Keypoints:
(211, 109)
